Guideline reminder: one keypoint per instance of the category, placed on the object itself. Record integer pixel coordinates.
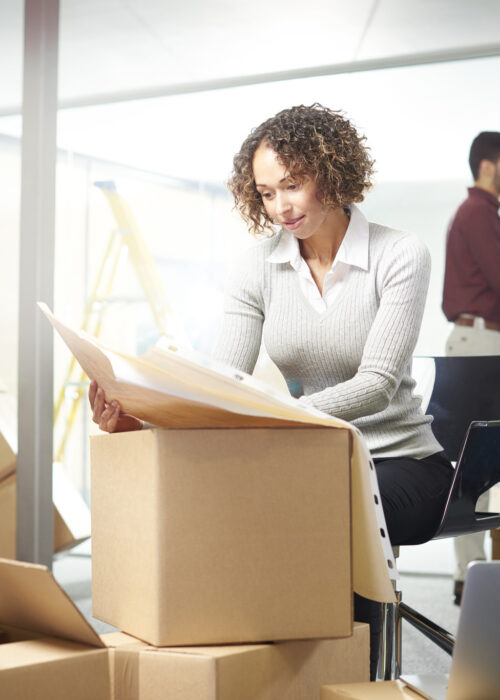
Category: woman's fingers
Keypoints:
(92, 393)
(108, 416)
(99, 406)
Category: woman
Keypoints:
(338, 303)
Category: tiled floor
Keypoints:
(430, 595)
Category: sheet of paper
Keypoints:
(172, 390)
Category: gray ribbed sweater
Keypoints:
(354, 360)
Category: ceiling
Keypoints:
(118, 49)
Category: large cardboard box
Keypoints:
(49, 651)
(385, 690)
(222, 535)
(282, 671)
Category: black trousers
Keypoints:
(413, 495)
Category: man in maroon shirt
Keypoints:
(471, 296)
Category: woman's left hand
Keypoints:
(108, 416)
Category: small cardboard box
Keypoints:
(385, 690)
(222, 535)
(49, 651)
(281, 671)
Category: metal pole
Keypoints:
(35, 528)
(389, 662)
(434, 632)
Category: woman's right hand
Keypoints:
(108, 416)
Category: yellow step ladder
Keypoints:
(126, 235)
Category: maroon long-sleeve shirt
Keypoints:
(472, 274)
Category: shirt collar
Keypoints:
(484, 194)
(353, 249)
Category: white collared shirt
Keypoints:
(352, 252)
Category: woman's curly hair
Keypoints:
(310, 142)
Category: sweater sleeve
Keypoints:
(239, 341)
(403, 279)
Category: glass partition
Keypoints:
(11, 51)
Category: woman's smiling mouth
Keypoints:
(294, 224)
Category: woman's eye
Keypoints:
(266, 195)
(293, 186)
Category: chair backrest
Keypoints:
(465, 389)
(478, 469)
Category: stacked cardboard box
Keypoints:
(228, 552)
(47, 648)
(232, 547)
(48, 651)
(293, 670)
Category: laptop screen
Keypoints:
(475, 667)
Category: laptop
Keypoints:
(475, 665)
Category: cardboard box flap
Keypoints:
(31, 599)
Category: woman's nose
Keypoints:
(282, 203)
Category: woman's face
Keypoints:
(289, 202)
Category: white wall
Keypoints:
(424, 208)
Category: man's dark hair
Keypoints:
(486, 146)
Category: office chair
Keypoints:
(465, 403)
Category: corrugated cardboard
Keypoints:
(385, 690)
(222, 536)
(281, 671)
(115, 640)
(67, 533)
(68, 660)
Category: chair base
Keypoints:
(430, 629)
(390, 660)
